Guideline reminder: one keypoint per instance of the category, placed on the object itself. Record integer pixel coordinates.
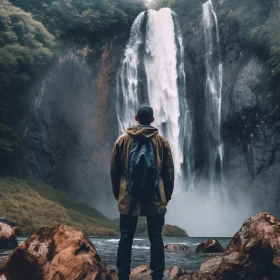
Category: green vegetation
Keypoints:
(33, 205)
(26, 47)
(168, 230)
(188, 8)
(84, 21)
(156, 4)
(256, 23)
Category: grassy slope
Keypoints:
(33, 204)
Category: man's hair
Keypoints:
(145, 114)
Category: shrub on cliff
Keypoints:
(168, 230)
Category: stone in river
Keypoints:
(210, 246)
(8, 239)
(15, 227)
(176, 247)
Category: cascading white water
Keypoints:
(214, 82)
(161, 69)
(127, 91)
(164, 76)
(186, 128)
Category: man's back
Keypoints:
(129, 205)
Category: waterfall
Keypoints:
(156, 45)
(213, 91)
(186, 126)
(162, 75)
(127, 83)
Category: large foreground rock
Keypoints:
(262, 226)
(254, 262)
(8, 239)
(210, 246)
(253, 253)
(52, 254)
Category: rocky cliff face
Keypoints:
(69, 131)
(251, 124)
(250, 114)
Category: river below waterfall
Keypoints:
(107, 250)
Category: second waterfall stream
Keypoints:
(213, 97)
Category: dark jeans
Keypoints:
(128, 226)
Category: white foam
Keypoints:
(141, 247)
(182, 243)
(113, 240)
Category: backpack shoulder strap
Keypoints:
(155, 141)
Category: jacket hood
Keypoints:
(142, 131)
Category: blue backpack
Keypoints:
(142, 179)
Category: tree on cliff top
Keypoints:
(26, 47)
(83, 20)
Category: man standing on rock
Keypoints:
(142, 174)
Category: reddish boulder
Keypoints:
(210, 246)
(143, 272)
(15, 227)
(262, 226)
(52, 254)
(254, 262)
(174, 272)
(176, 247)
(112, 274)
(8, 239)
